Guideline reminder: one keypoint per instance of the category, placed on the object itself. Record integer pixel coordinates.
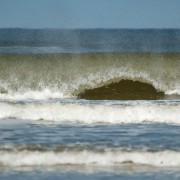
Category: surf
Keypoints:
(70, 75)
(93, 112)
(14, 156)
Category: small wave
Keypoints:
(15, 157)
(124, 112)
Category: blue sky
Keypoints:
(90, 13)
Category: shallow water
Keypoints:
(31, 150)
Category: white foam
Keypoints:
(71, 88)
(33, 95)
(137, 112)
(173, 92)
(86, 157)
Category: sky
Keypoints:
(90, 13)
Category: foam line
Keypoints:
(136, 112)
(87, 157)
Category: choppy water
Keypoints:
(94, 113)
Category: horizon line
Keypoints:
(26, 28)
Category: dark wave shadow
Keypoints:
(123, 90)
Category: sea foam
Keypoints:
(86, 157)
(89, 113)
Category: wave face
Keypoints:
(69, 75)
(123, 90)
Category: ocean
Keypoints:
(89, 103)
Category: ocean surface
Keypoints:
(89, 103)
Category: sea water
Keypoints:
(95, 104)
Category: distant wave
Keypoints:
(88, 40)
(31, 50)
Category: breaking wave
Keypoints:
(69, 75)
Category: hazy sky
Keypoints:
(90, 13)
